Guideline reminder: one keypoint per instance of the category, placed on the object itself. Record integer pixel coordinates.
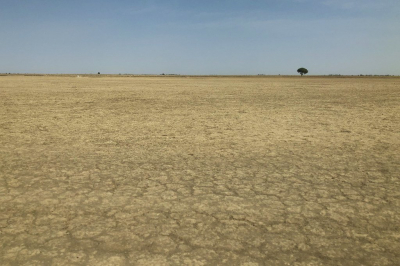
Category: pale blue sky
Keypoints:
(200, 37)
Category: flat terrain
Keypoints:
(199, 170)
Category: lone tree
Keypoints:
(302, 71)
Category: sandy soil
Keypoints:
(199, 171)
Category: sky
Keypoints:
(188, 37)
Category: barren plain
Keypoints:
(108, 170)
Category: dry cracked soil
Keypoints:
(109, 170)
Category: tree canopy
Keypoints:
(302, 71)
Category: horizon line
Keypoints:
(193, 75)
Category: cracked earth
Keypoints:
(199, 171)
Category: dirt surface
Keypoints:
(199, 171)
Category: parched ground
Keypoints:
(199, 171)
